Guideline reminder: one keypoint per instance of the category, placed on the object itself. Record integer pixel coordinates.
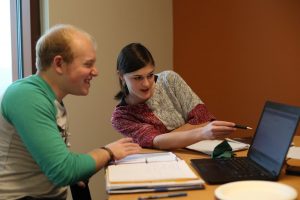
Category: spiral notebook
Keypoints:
(151, 172)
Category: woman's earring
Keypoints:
(124, 88)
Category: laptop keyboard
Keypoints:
(241, 168)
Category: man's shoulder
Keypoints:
(21, 87)
(29, 89)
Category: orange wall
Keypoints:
(237, 54)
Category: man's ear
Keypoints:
(58, 63)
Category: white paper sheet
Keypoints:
(208, 146)
(294, 153)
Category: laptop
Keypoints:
(266, 155)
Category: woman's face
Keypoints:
(140, 84)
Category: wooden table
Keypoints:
(208, 192)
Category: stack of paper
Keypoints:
(151, 172)
(294, 153)
(208, 146)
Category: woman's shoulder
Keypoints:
(121, 107)
(168, 73)
(169, 77)
(129, 112)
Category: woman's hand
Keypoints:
(123, 147)
(217, 129)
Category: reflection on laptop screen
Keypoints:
(272, 138)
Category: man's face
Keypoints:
(82, 69)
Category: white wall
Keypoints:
(113, 23)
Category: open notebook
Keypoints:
(151, 172)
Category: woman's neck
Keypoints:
(132, 100)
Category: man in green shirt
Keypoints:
(34, 157)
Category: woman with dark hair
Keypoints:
(160, 110)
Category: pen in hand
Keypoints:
(242, 126)
(179, 194)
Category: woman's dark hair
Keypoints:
(132, 57)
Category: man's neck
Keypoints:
(52, 81)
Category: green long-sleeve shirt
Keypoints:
(34, 157)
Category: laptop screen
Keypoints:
(272, 138)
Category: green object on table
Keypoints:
(222, 150)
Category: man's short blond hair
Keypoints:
(57, 41)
